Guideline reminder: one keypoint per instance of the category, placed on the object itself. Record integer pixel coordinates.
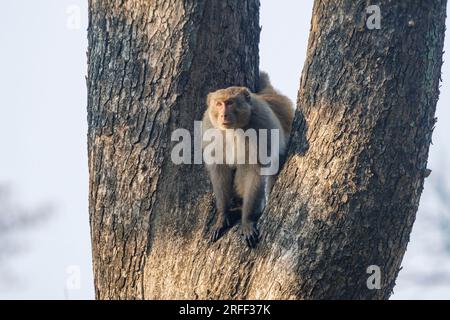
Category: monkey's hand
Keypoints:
(222, 224)
(250, 233)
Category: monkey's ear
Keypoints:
(246, 93)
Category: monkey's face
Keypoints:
(230, 108)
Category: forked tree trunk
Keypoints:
(350, 189)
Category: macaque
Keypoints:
(235, 110)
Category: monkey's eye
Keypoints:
(228, 102)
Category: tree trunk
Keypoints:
(358, 156)
(350, 188)
(151, 64)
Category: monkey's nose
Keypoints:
(225, 119)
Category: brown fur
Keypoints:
(280, 104)
(238, 108)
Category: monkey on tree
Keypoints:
(235, 111)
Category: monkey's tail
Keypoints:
(264, 85)
(280, 104)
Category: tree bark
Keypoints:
(358, 157)
(350, 188)
(151, 64)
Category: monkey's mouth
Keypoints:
(227, 124)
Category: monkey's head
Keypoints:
(229, 108)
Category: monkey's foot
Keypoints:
(222, 224)
(250, 233)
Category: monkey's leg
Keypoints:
(250, 184)
(222, 180)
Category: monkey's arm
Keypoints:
(222, 180)
(250, 184)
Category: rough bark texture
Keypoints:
(151, 64)
(349, 193)
(350, 189)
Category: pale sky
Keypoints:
(43, 146)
